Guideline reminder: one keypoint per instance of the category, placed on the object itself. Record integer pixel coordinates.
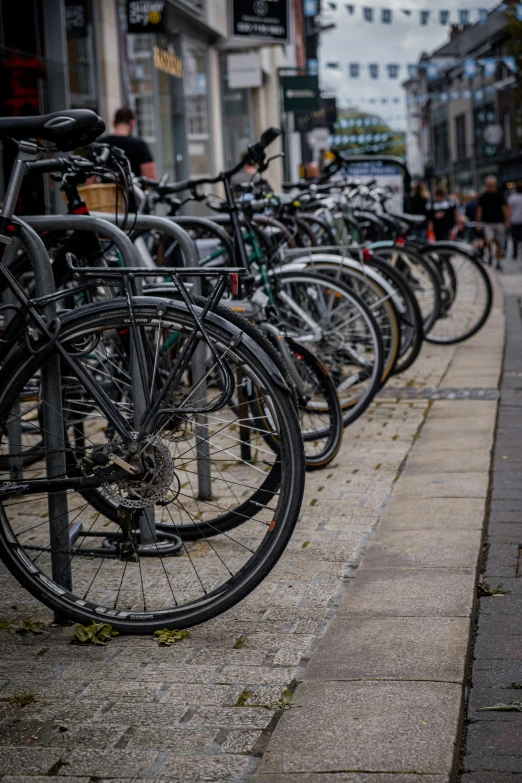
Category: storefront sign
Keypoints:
(76, 18)
(168, 62)
(326, 116)
(267, 20)
(303, 123)
(146, 16)
(300, 93)
(244, 70)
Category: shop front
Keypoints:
(165, 80)
(47, 63)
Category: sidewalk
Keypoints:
(493, 739)
(377, 649)
(381, 699)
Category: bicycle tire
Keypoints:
(371, 341)
(458, 301)
(274, 535)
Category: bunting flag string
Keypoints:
(431, 68)
(455, 95)
(358, 124)
(463, 16)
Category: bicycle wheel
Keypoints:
(466, 294)
(336, 324)
(420, 275)
(318, 408)
(107, 572)
(378, 300)
(408, 312)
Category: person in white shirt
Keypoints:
(515, 213)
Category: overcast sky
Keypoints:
(402, 41)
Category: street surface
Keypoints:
(377, 650)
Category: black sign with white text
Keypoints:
(146, 16)
(268, 20)
(76, 18)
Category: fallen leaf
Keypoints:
(486, 590)
(514, 706)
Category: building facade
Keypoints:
(462, 123)
(178, 76)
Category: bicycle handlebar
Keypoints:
(49, 166)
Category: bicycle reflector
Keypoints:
(234, 284)
(401, 241)
(367, 254)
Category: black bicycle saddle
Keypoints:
(66, 129)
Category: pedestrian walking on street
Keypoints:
(417, 206)
(136, 149)
(442, 214)
(515, 218)
(493, 216)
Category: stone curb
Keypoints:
(382, 696)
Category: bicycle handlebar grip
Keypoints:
(49, 166)
(288, 185)
(268, 137)
(184, 184)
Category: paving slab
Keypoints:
(392, 648)
(476, 410)
(349, 777)
(411, 592)
(441, 484)
(450, 461)
(388, 727)
(433, 513)
(427, 548)
(438, 440)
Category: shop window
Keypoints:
(238, 118)
(507, 131)
(482, 117)
(140, 87)
(196, 106)
(81, 55)
(460, 135)
(441, 144)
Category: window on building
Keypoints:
(441, 144)
(196, 104)
(507, 131)
(238, 117)
(483, 116)
(460, 136)
(81, 55)
(140, 86)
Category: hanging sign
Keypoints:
(244, 70)
(300, 93)
(146, 16)
(303, 122)
(266, 20)
(76, 18)
(493, 134)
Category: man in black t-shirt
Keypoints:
(136, 149)
(442, 214)
(493, 216)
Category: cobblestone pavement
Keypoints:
(204, 708)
